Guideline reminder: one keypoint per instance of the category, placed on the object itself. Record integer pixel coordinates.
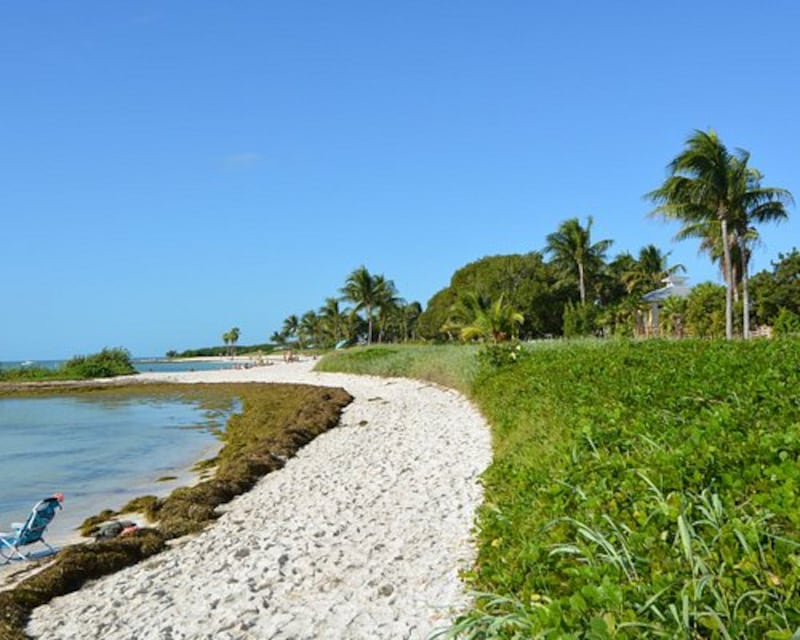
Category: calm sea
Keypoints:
(99, 450)
(142, 365)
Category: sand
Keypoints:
(361, 535)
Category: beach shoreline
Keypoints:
(61, 536)
(361, 535)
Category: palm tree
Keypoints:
(573, 253)
(649, 270)
(308, 330)
(388, 303)
(708, 184)
(410, 313)
(333, 320)
(364, 291)
(233, 336)
(758, 204)
(226, 338)
(478, 318)
(290, 326)
(278, 338)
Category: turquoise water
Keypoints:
(142, 365)
(99, 450)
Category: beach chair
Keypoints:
(31, 531)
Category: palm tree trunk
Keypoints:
(726, 248)
(581, 283)
(369, 324)
(745, 295)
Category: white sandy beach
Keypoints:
(361, 535)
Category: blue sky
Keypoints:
(173, 169)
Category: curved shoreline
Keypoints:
(361, 535)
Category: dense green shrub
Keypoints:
(787, 323)
(705, 311)
(579, 319)
(106, 364)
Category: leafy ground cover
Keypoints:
(638, 489)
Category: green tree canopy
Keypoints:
(575, 257)
(525, 282)
(777, 289)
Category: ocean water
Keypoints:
(142, 365)
(99, 450)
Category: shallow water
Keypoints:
(100, 451)
(142, 365)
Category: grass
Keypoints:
(638, 489)
(453, 366)
(275, 422)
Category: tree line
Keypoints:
(377, 314)
(571, 287)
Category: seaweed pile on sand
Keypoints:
(276, 420)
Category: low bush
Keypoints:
(106, 364)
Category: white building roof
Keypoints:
(674, 286)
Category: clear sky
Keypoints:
(173, 169)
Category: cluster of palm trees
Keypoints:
(712, 191)
(377, 314)
(719, 198)
(716, 196)
(581, 264)
(230, 338)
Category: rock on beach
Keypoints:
(361, 535)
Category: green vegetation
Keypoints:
(777, 289)
(378, 314)
(214, 352)
(576, 259)
(275, 422)
(449, 365)
(525, 282)
(719, 199)
(638, 489)
(230, 338)
(713, 192)
(106, 364)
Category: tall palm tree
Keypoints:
(333, 320)
(226, 338)
(708, 183)
(757, 205)
(308, 330)
(233, 335)
(388, 303)
(573, 253)
(364, 291)
(290, 326)
(409, 315)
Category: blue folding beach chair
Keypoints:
(31, 531)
